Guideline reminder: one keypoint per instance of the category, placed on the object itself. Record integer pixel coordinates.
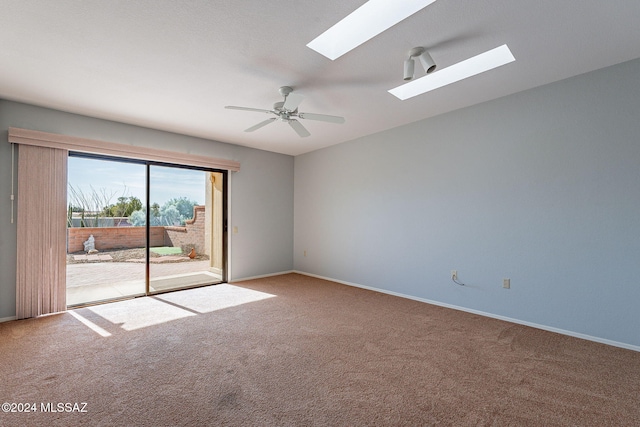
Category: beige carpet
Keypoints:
(297, 351)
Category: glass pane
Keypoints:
(183, 228)
(106, 241)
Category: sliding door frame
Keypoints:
(130, 152)
(225, 213)
(147, 164)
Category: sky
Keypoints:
(111, 180)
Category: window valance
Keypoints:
(83, 145)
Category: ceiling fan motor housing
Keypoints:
(285, 90)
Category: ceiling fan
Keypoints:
(287, 111)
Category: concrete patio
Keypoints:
(99, 281)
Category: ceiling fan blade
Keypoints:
(259, 125)
(300, 130)
(292, 101)
(321, 117)
(232, 107)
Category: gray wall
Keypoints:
(542, 187)
(261, 194)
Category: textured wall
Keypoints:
(542, 187)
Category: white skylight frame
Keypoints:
(364, 23)
(470, 67)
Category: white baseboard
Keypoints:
(482, 313)
(261, 276)
(7, 319)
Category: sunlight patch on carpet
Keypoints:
(88, 323)
(212, 298)
(139, 313)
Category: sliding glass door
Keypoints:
(106, 251)
(138, 228)
(185, 241)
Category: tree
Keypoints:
(170, 215)
(155, 209)
(124, 208)
(139, 218)
(90, 206)
(184, 206)
(174, 212)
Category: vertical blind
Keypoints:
(42, 209)
(41, 231)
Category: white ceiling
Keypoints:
(174, 64)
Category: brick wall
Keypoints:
(189, 236)
(113, 237)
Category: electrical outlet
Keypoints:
(454, 274)
(506, 283)
(305, 252)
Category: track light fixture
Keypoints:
(425, 59)
(409, 65)
(470, 67)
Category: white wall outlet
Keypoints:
(235, 230)
(454, 274)
(305, 252)
(506, 283)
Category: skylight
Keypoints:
(475, 65)
(366, 22)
